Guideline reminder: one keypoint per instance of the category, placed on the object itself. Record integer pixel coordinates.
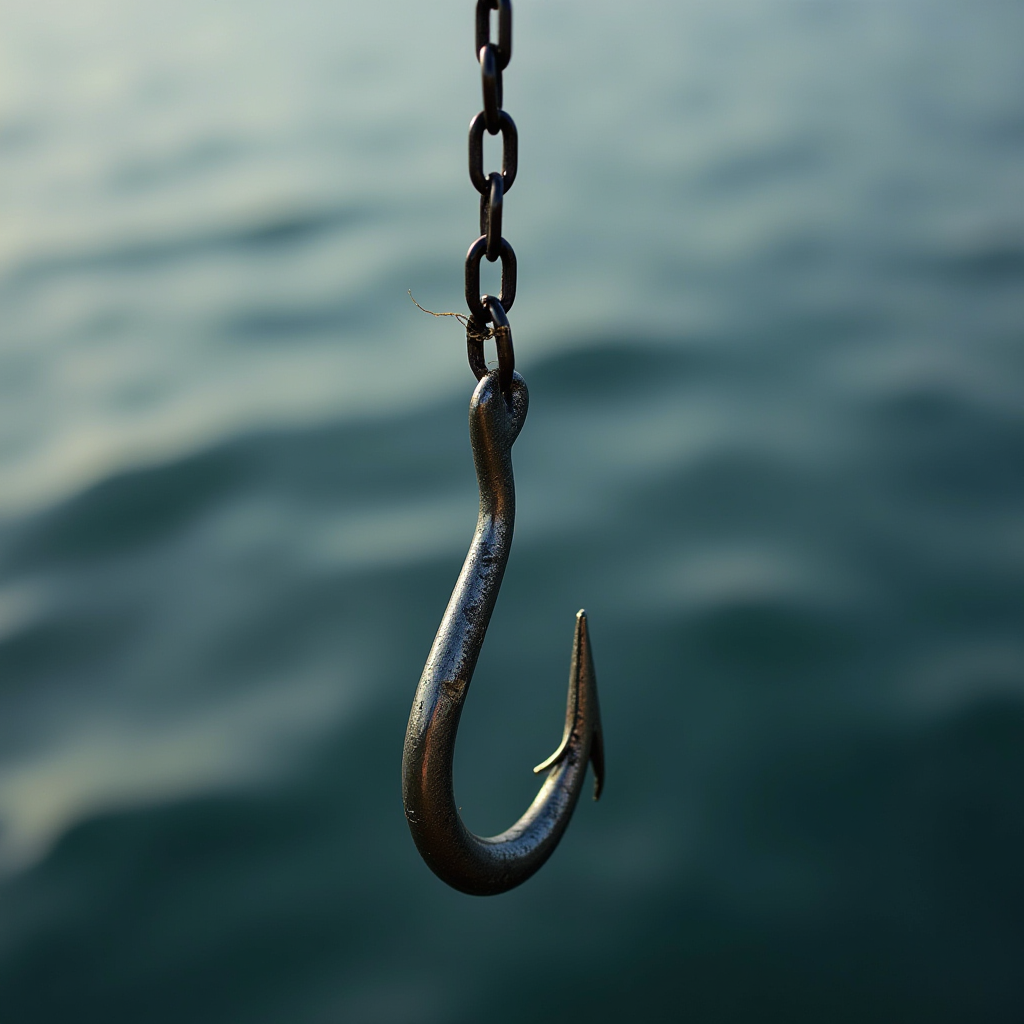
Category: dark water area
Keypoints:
(771, 314)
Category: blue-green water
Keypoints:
(771, 312)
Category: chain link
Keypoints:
(486, 309)
(490, 76)
(490, 215)
(509, 151)
(477, 303)
(483, 28)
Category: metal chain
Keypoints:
(486, 309)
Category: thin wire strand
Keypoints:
(461, 317)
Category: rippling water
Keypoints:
(771, 309)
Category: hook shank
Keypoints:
(473, 864)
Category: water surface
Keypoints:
(770, 313)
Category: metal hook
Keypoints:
(473, 864)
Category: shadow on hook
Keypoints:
(473, 864)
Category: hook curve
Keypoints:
(471, 863)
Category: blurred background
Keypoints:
(771, 308)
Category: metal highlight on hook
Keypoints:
(473, 864)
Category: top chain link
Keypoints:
(486, 309)
(483, 29)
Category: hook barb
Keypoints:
(581, 677)
(474, 864)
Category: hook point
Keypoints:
(582, 676)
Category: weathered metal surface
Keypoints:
(476, 865)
